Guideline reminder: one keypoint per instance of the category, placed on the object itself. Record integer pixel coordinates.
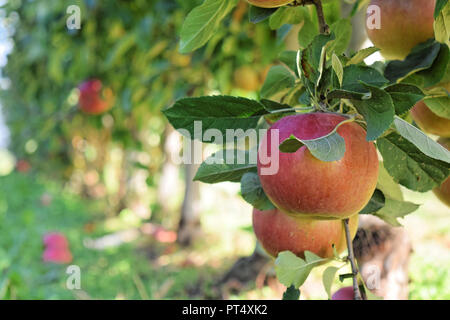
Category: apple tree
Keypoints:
(329, 138)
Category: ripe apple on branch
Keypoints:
(325, 115)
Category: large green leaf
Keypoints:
(257, 14)
(286, 15)
(195, 115)
(404, 96)
(378, 111)
(354, 75)
(409, 166)
(428, 146)
(253, 193)
(395, 209)
(202, 22)
(292, 270)
(219, 167)
(420, 58)
(278, 79)
(342, 29)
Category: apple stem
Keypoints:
(351, 257)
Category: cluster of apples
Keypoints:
(56, 248)
(312, 197)
(405, 24)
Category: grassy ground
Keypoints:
(119, 262)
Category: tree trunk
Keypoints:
(189, 227)
(382, 252)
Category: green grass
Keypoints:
(146, 269)
(121, 272)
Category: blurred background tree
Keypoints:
(124, 155)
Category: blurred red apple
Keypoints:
(94, 99)
(345, 293)
(23, 166)
(57, 255)
(55, 240)
(311, 188)
(429, 121)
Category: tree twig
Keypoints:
(324, 28)
(351, 257)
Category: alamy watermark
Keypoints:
(73, 22)
(373, 17)
(192, 152)
(73, 281)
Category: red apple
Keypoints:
(23, 166)
(93, 99)
(56, 255)
(308, 187)
(278, 231)
(345, 293)
(403, 25)
(269, 3)
(443, 191)
(429, 121)
(55, 240)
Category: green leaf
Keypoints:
(220, 167)
(337, 68)
(420, 58)
(279, 78)
(409, 166)
(440, 4)
(434, 74)
(286, 15)
(330, 147)
(257, 14)
(354, 75)
(442, 22)
(438, 101)
(270, 105)
(376, 202)
(395, 209)
(342, 29)
(195, 115)
(292, 270)
(428, 146)
(289, 58)
(404, 96)
(291, 293)
(308, 30)
(344, 94)
(387, 185)
(378, 111)
(361, 55)
(328, 278)
(311, 57)
(202, 22)
(253, 193)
